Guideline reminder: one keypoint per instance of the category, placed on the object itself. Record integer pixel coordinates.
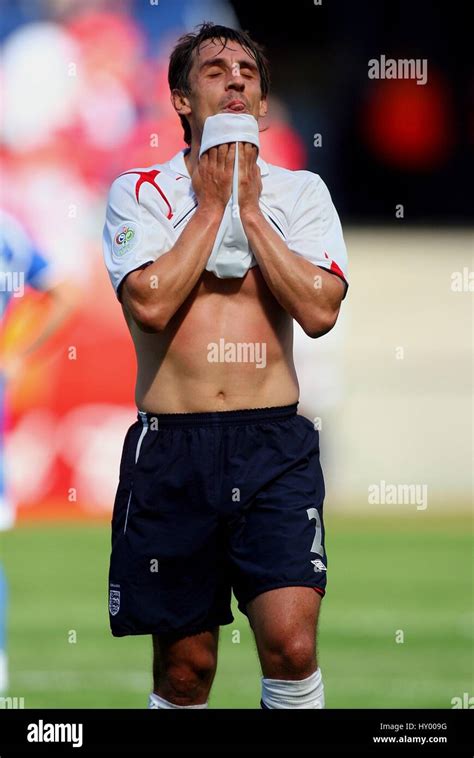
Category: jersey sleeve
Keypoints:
(133, 236)
(315, 229)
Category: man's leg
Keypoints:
(284, 622)
(183, 670)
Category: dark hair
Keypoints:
(182, 56)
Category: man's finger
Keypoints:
(252, 149)
(230, 157)
(222, 151)
(212, 158)
(249, 156)
(249, 151)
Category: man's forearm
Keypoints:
(162, 287)
(308, 293)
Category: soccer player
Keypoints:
(22, 265)
(220, 484)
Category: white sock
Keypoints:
(155, 701)
(301, 693)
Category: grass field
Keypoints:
(412, 574)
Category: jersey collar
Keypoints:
(178, 164)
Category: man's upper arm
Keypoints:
(315, 230)
(333, 283)
(133, 237)
(129, 288)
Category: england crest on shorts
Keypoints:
(114, 602)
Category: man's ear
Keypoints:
(263, 109)
(180, 103)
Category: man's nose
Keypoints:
(236, 81)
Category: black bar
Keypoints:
(219, 731)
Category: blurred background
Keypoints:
(84, 95)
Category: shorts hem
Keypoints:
(175, 633)
(242, 603)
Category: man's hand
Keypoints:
(212, 177)
(250, 181)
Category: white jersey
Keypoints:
(148, 209)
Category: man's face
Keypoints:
(222, 80)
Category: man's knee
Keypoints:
(187, 679)
(289, 656)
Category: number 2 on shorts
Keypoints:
(317, 546)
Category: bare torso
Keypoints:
(175, 374)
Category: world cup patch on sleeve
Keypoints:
(125, 238)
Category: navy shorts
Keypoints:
(210, 503)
